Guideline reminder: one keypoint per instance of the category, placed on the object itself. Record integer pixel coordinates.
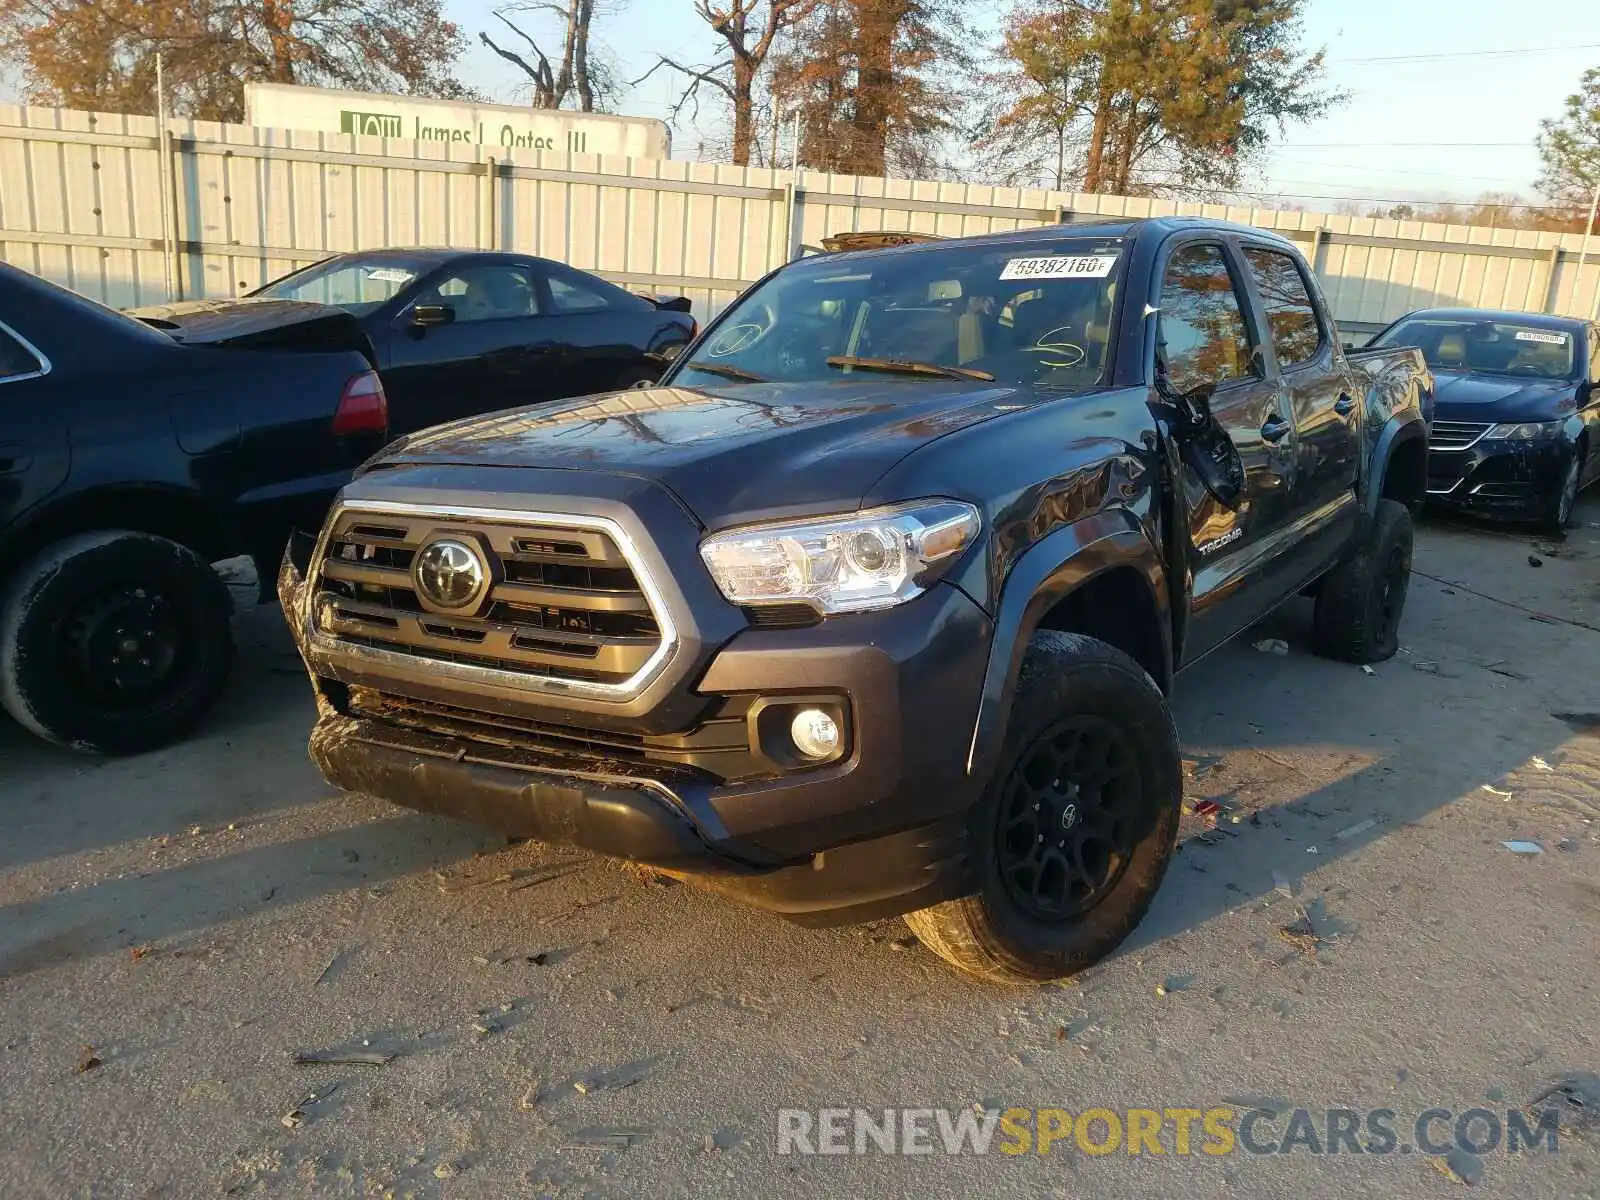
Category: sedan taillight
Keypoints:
(363, 408)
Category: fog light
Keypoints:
(815, 733)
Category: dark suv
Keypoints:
(871, 606)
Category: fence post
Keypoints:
(491, 207)
(1554, 271)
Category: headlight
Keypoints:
(1528, 431)
(867, 560)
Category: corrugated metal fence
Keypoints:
(106, 205)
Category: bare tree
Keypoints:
(576, 72)
(749, 34)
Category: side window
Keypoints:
(1291, 316)
(570, 295)
(1202, 336)
(15, 358)
(485, 293)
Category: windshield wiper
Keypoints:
(727, 372)
(905, 367)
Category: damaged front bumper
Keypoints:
(882, 833)
(1515, 480)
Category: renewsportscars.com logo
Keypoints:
(1178, 1132)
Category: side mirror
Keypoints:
(424, 315)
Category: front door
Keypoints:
(34, 453)
(481, 360)
(1207, 336)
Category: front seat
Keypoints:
(1452, 351)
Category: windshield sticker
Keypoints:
(390, 275)
(1549, 339)
(1082, 266)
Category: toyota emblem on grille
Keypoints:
(450, 574)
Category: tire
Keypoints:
(114, 642)
(1070, 687)
(1363, 598)
(1558, 515)
(635, 376)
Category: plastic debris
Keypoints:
(1311, 850)
(1355, 830)
(87, 1061)
(296, 1116)
(1301, 934)
(1427, 668)
(1174, 983)
(1539, 764)
(1461, 1165)
(1567, 844)
(1575, 1097)
(1535, 561)
(1366, 670)
(1206, 808)
(1494, 791)
(1519, 846)
(1273, 646)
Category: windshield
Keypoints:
(1488, 347)
(1035, 313)
(358, 285)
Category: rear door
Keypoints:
(1208, 335)
(484, 360)
(597, 333)
(1318, 398)
(33, 438)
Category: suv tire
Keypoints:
(1361, 600)
(1091, 759)
(114, 642)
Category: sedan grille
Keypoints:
(1455, 435)
(553, 602)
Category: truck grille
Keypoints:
(1455, 435)
(559, 601)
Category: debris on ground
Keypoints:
(336, 964)
(1366, 670)
(902, 943)
(1356, 830)
(1174, 983)
(616, 1137)
(87, 1061)
(1494, 791)
(1208, 809)
(1567, 844)
(1575, 1099)
(1311, 850)
(1273, 1106)
(1272, 646)
(1520, 846)
(1539, 764)
(296, 1116)
(1301, 934)
(1498, 667)
(1427, 668)
(135, 953)
(1535, 561)
(342, 1058)
(1281, 885)
(1461, 1165)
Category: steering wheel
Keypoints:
(743, 334)
(1072, 353)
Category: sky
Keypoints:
(1398, 138)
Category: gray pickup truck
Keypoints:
(872, 605)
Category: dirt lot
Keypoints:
(563, 1027)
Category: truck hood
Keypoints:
(259, 324)
(729, 453)
(1463, 397)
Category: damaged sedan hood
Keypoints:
(1464, 397)
(726, 452)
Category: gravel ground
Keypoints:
(175, 928)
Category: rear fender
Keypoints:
(1403, 427)
(1047, 573)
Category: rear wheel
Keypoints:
(114, 642)
(1361, 600)
(1076, 829)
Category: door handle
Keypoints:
(1344, 405)
(1274, 429)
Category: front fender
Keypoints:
(1045, 574)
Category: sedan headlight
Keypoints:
(866, 560)
(1527, 431)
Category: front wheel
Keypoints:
(1559, 514)
(1076, 829)
(114, 643)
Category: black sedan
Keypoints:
(458, 333)
(1516, 428)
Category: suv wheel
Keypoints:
(113, 642)
(1077, 826)
(1362, 599)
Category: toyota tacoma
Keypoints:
(872, 605)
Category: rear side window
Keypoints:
(1291, 316)
(1203, 335)
(570, 295)
(15, 358)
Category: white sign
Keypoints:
(1085, 266)
(1549, 339)
(501, 126)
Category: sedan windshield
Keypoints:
(355, 283)
(1486, 347)
(1035, 313)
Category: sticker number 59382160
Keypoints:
(1060, 266)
